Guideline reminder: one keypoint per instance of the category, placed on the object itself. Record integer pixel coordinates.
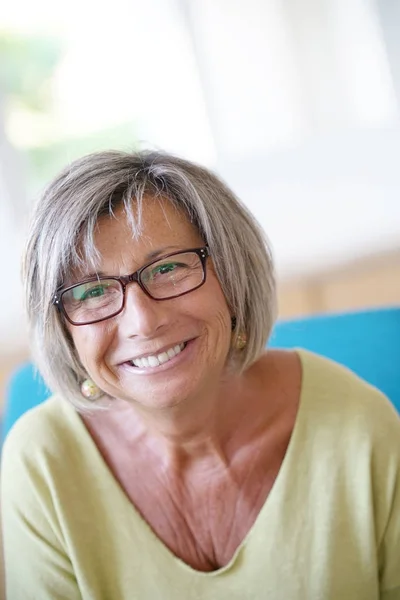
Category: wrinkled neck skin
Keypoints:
(203, 432)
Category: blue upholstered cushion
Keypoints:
(25, 390)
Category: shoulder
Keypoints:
(43, 442)
(334, 402)
(345, 418)
(44, 426)
(353, 432)
(331, 386)
(46, 460)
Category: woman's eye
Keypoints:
(94, 292)
(167, 268)
(164, 269)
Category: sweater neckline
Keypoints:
(291, 456)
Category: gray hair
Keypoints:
(61, 238)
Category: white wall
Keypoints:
(278, 72)
(306, 121)
(327, 201)
(12, 319)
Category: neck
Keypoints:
(200, 431)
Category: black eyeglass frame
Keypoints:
(203, 253)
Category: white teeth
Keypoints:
(159, 359)
(153, 361)
(163, 357)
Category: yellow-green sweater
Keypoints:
(329, 530)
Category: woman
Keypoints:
(188, 462)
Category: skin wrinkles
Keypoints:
(210, 442)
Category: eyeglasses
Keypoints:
(98, 298)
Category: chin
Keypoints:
(155, 402)
(157, 397)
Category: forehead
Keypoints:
(159, 222)
(124, 244)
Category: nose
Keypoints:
(141, 316)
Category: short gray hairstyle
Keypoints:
(61, 237)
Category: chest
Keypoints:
(203, 522)
(302, 546)
(204, 518)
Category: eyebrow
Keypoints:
(159, 253)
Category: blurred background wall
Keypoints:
(294, 102)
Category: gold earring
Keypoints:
(89, 390)
(241, 341)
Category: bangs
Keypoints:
(82, 254)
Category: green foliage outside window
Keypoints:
(27, 67)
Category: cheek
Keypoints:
(219, 317)
(91, 342)
(225, 327)
(219, 304)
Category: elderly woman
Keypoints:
(178, 458)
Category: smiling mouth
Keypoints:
(156, 360)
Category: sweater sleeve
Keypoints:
(35, 557)
(388, 493)
(390, 549)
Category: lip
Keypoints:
(183, 355)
